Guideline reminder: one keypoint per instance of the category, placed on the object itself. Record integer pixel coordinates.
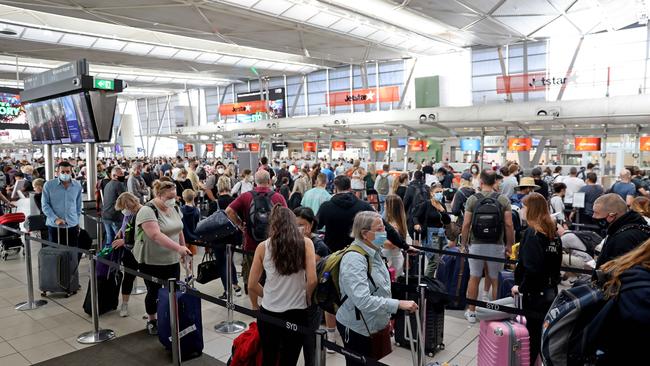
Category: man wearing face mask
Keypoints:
(135, 184)
(625, 229)
(111, 217)
(211, 182)
(61, 203)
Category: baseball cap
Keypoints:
(466, 176)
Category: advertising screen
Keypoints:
(520, 144)
(228, 147)
(587, 143)
(470, 145)
(379, 145)
(309, 146)
(12, 113)
(401, 142)
(417, 145)
(276, 105)
(338, 145)
(254, 147)
(59, 120)
(644, 143)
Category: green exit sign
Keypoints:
(104, 84)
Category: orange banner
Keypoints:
(209, 147)
(365, 96)
(189, 147)
(645, 143)
(520, 144)
(587, 143)
(338, 145)
(243, 108)
(379, 145)
(417, 145)
(309, 146)
(228, 147)
(254, 147)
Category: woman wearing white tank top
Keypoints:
(289, 261)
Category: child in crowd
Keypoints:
(191, 217)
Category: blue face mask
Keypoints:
(438, 196)
(380, 239)
(64, 177)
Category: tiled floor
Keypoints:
(32, 336)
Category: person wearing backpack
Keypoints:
(382, 186)
(488, 230)
(251, 213)
(416, 193)
(160, 245)
(538, 271)
(461, 196)
(366, 289)
(626, 229)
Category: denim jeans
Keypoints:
(435, 240)
(382, 204)
(111, 228)
(220, 255)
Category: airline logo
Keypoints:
(520, 144)
(243, 108)
(379, 145)
(587, 143)
(531, 82)
(338, 145)
(365, 96)
(309, 146)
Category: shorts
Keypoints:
(489, 250)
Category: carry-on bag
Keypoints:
(504, 342)
(109, 280)
(506, 280)
(190, 323)
(35, 223)
(58, 270)
(453, 271)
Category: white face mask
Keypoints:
(170, 203)
(220, 171)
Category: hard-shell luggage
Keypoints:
(435, 314)
(58, 270)
(506, 281)
(453, 271)
(190, 323)
(504, 342)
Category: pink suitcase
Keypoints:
(504, 342)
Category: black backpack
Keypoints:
(487, 220)
(259, 215)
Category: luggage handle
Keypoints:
(415, 356)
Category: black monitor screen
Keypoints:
(58, 120)
(12, 113)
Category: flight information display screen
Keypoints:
(61, 120)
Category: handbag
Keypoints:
(209, 269)
(380, 345)
(216, 226)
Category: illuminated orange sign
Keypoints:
(228, 147)
(338, 145)
(243, 108)
(645, 143)
(417, 145)
(254, 147)
(365, 96)
(209, 147)
(587, 143)
(520, 144)
(379, 145)
(309, 146)
(189, 147)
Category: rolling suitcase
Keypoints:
(504, 342)
(58, 270)
(190, 323)
(453, 271)
(109, 280)
(506, 281)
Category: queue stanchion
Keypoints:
(100, 234)
(422, 331)
(30, 304)
(173, 322)
(229, 326)
(96, 335)
(320, 356)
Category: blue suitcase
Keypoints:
(506, 281)
(190, 324)
(453, 271)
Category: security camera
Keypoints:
(343, 122)
(337, 122)
(432, 117)
(542, 112)
(423, 118)
(76, 82)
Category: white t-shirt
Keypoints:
(573, 185)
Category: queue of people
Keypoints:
(291, 217)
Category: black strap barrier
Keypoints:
(355, 355)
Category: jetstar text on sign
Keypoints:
(365, 96)
(243, 108)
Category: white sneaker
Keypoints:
(331, 336)
(470, 316)
(124, 310)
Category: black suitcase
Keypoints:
(435, 314)
(11, 245)
(108, 293)
(35, 223)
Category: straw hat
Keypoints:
(527, 182)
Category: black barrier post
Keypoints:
(229, 326)
(96, 335)
(173, 322)
(422, 330)
(30, 304)
(320, 358)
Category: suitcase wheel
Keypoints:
(442, 346)
(43, 293)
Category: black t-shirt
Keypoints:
(539, 262)
(427, 170)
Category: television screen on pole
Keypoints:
(61, 120)
(12, 113)
(276, 108)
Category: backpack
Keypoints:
(200, 172)
(590, 240)
(487, 220)
(259, 215)
(382, 185)
(421, 195)
(327, 294)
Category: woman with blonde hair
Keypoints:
(641, 205)
(399, 186)
(299, 189)
(538, 270)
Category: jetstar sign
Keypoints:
(243, 108)
(365, 96)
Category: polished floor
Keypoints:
(33, 336)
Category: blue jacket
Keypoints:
(191, 217)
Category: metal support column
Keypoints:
(406, 154)
(504, 154)
(295, 100)
(286, 94)
(504, 73)
(306, 102)
(327, 92)
(331, 150)
(160, 125)
(377, 85)
(351, 88)
(49, 161)
(647, 57)
(482, 147)
(30, 304)
(91, 169)
(570, 69)
(526, 68)
(406, 85)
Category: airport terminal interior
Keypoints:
(473, 176)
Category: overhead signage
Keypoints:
(228, 147)
(470, 145)
(12, 112)
(63, 72)
(254, 147)
(189, 148)
(365, 96)
(587, 143)
(309, 146)
(338, 145)
(104, 84)
(417, 145)
(275, 97)
(530, 82)
(519, 144)
(242, 108)
(278, 146)
(209, 147)
(644, 143)
(379, 145)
